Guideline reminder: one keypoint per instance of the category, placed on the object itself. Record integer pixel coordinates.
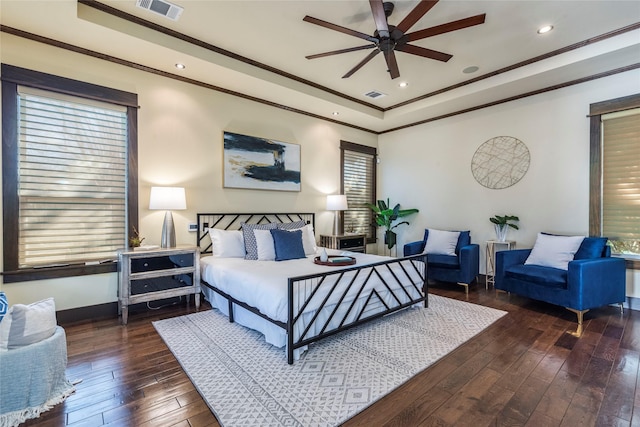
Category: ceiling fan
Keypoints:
(391, 38)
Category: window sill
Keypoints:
(632, 261)
(29, 274)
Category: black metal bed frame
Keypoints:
(405, 280)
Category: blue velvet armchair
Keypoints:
(593, 278)
(462, 268)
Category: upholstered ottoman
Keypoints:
(32, 373)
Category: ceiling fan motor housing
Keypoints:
(388, 8)
(396, 38)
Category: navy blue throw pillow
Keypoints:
(288, 244)
(591, 247)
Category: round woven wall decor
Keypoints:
(500, 162)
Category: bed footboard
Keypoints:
(321, 305)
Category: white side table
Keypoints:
(494, 246)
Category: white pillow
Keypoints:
(266, 248)
(441, 242)
(554, 251)
(28, 324)
(226, 243)
(308, 239)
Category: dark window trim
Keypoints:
(596, 111)
(12, 77)
(351, 146)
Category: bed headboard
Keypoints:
(232, 221)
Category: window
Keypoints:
(615, 175)
(68, 200)
(359, 185)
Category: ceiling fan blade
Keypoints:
(426, 53)
(445, 28)
(361, 64)
(340, 29)
(392, 64)
(336, 52)
(380, 18)
(418, 12)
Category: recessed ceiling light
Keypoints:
(471, 69)
(545, 29)
(180, 66)
(403, 84)
(336, 113)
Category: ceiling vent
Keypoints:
(374, 94)
(161, 7)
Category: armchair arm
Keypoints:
(413, 248)
(469, 258)
(596, 282)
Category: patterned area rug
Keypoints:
(247, 382)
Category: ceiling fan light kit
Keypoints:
(391, 38)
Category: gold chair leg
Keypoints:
(466, 287)
(502, 291)
(580, 313)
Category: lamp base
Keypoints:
(336, 224)
(168, 239)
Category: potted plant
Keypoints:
(502, 224)
(385, 216)
(135, 241)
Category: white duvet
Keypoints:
(263, 284)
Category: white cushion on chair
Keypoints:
(554, 251)
(441, 242)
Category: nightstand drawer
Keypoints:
(165, 262)
(143, 286)
(356, 242)
(347, 242)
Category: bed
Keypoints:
(296, 302)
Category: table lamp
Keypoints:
(337, 203)
(169, 199)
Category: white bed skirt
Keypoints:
(273, 334)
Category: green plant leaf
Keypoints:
(504, 220)
(400, 223)
(384, 216)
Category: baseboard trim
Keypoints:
(108, 310)
(632, 303)
(92, 312)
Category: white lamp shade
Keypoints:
(337, 202)
(167, 198)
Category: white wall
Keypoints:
(180, 143)
(429, 167)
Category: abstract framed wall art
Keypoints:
(260, 164)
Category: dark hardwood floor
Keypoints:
(523, 370)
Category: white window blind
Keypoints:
(72, 179)
(358, 179)
(621, 181)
